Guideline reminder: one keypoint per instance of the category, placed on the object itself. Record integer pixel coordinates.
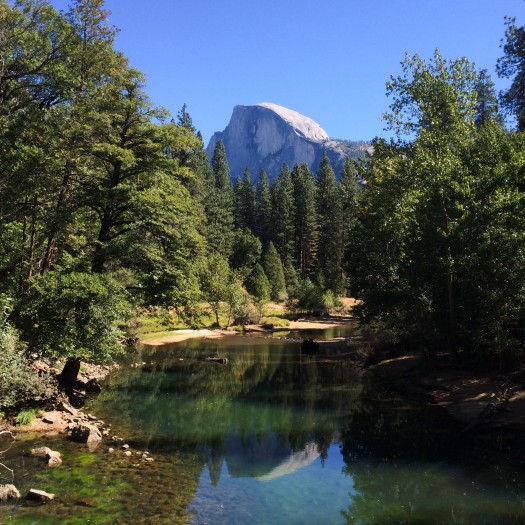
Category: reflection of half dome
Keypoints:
(265, 457)
(298, 459)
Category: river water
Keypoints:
(271, 437)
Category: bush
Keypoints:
(19, 383)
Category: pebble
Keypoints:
(125, 447)
(127, 453)
(111, 450)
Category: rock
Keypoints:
(266, 136)
(52, 417)
(111, 450)
(8, 492)
(149, 459)
(53, 458)
(125, 447)
(40, 451)
(127, 453)
(93, 386)
(85, 433)
(39, 495)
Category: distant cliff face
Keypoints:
(266, 136)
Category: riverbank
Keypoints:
(476, 398)
(301, 324)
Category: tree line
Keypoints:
(108, 204)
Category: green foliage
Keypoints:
(306, 223)
(331, 238)
(19, 383)
(512, 65)
(283, 207)
(420, 256)
(246, 252)
(263, 210)
(258, 285)
(245, 202)
(273, 269)
(76, 315)
(314, 298)
(26, 416)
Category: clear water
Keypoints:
(270, 438)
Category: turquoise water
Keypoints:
(272, 437)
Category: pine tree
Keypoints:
(244, 202)
(273, 268)
(283, 216)
(258, 284)
(220, 204)
(306, 223)
(184, 119)
(349, 190)
(263, 210)
(221, 169)
(331, 244)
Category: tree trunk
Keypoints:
(68, 377)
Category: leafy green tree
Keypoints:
(408, 247)
(77, 315)
(216, 280)
(273, 268)
(512, 65)
(283, 210)
(263, 210)
(306, 219)
(331, 230)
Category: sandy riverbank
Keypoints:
(302, 324)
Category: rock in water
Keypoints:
(39, 495)
(266, 136)
(89, 434)
(8, 492)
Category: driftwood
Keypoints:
(495, 404)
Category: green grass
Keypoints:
(26, 416)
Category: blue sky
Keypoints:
(329, 60)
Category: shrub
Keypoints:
(19, 383)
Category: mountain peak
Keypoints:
(266, 136)
(305, 126)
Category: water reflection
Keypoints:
(273, 437)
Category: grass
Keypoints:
(26, 416)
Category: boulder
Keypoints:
(39, 495)
(85, 433)
(9, 492)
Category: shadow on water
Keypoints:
(271, 437)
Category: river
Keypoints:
(270, 437)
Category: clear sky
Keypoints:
(327, 59)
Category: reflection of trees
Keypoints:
(179, 401)
(399, 455)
